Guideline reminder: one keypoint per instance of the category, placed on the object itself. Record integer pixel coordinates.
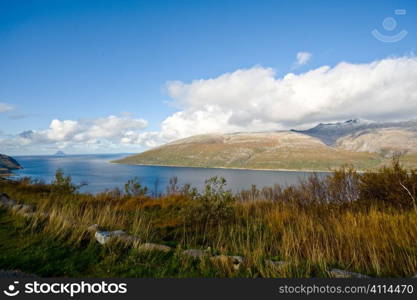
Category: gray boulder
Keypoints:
(195, 253)
(104, 237)
(338, 273)
(6, 202)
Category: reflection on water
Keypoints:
(100, 174)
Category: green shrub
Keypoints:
(63, 184)
(134, 188)
(393, 185)
(213, 207)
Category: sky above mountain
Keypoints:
(123, 76)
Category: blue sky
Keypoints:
(87, 60)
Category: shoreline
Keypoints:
(229, 168)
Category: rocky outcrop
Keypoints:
(7, 164)
(21, 209)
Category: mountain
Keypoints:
(359, 143)
(60, 153)
(330, 133)
(263, 150)
(7, 164)
(385, 141)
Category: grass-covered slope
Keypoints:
(266, 150)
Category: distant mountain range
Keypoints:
(359, 143)
(329, 133)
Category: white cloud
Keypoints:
(4, 107)
(107, 132)
(302, 59)
(255, 99)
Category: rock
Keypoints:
(275, 264)
(234, 261)
(92, 228)
(6, 201)
(104, 237)
(337, 273)
(153, 247)
(195, 253)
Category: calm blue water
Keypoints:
(100, 174)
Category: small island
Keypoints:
(60, 153)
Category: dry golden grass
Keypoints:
(313, 227)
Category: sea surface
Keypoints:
(99, 174)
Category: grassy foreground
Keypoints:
(363, 222)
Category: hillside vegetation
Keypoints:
(283, 150)
(364, 145)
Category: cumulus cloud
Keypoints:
(302, 59)
(110, 131)
(253, 99)
(4, 107)
(256, 99)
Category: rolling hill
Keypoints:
(361, 144)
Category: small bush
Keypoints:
(134, 188)
(212, 207)
(392, 185)
(63, 184)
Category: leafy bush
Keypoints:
(212, 207)
(392, 185)
(63, 184)
(134, 188)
